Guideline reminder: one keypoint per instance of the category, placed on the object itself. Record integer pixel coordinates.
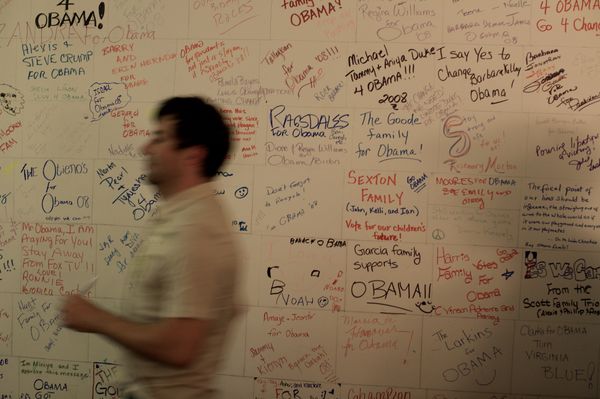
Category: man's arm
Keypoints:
(173, 341)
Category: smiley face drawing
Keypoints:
(11, 100)
(425, 306)
(241, 192)
(323, 301)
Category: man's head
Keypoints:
(191, 134)
(198, 123)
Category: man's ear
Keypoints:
(195, 156)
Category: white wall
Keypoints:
(414, 184)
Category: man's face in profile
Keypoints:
(163, 156)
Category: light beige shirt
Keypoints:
(186, 267)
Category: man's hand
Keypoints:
(80, 314)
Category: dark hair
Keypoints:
(199, 123)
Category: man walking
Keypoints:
(179, 298)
